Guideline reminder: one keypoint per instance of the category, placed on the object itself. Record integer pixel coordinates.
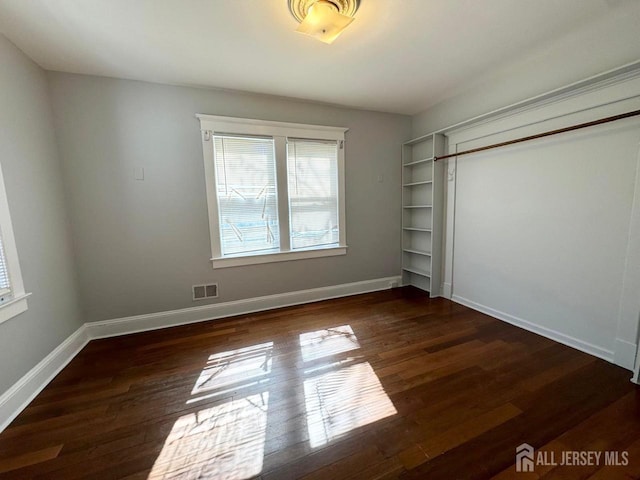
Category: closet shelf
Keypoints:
(416, 162)
(417, 252)
(417, 271)
(416, 229)
(425, 182)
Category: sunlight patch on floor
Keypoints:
(224, 442)
(342, 400)
(235, 366)
(331, 341)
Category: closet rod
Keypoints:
(542, 135)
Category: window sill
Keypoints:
(226, 262)
(13, 307)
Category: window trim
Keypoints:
(18, 301)
(299, 254)
(211, 125)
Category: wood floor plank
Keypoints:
(468, 430)
(621, 472)
(15, 462)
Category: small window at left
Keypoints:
(13, 299)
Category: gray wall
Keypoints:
(140, 245)
(516, 83)
(32, 174)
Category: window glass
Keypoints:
(247, 197)
(312, 168)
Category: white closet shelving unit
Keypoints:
(422, 212)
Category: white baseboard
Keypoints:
(154, 321)
(16, 399)
(447, 291)
(545, 332)
(624, 354)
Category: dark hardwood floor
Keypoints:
(388, 385)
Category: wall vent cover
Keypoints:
(204, 292)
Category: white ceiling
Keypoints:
(398, 55)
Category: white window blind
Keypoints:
(5, 284)
(246, 192)
(312, 167)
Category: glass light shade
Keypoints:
(324, 22)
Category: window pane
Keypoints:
(313, 192)
(247, 198)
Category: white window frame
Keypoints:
(17, 302)
(211, 125)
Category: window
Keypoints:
(275, 190)
(13, 299)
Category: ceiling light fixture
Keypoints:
(323, 19)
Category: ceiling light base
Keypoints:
(300, 8)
